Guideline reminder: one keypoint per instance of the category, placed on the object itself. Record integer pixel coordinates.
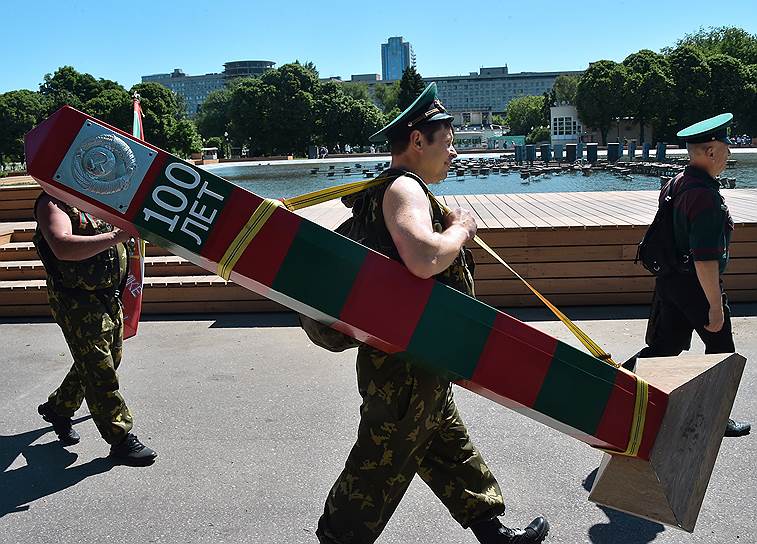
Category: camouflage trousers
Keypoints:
(409, 425)
(92, 325)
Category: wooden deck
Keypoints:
(531, 211)
(576, 248)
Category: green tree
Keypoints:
(565, 88)
(213, 118)
(388, 95)
(274, 113)
(729, 86)
(549, 100)
(748, 122)
(331, 113)
(161, 111)
(599, 96)
(524, 114)
(538, 135)
(20, 111)
(114, 106)
(309, 66)
(218, 142)
(499, 120)
(250, 114)
(292, 108)
(67, 86)
(691, 79)
(184, 139)
(358, 91)
(727, 40)
(340, 118)
(648, 89)
(411, 86)
(365, 119)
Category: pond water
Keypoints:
(286, 179)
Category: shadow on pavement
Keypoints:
(621, 527)
(610, 313)
(289, 319)
(46, 471)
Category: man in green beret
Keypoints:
(691, 297)
(409, 423)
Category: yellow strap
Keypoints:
(642, 387)
(592, 346)
(638, 422)
(330, 193)
(235, 250)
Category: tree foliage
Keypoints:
(287, 109)
(388, 95)
(729, 85)
(600, 95)
(550, 99)
(218, 142)
(161, 111)
(20, 111)
(213, 118)
(538, 135)
(114, 106)
(357, 90)
(727, 40)
(184, 138)
(565, 88)
(648, 90)
(691, 85)
(411, 86)
(524, 114)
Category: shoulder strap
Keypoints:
(674, 191)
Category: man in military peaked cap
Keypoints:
(409, 423)
(691, 298)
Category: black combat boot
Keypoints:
(131, 451)
(737, 428)
(61, 425)
(492, 531)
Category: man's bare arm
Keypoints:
(56, 227)
(424, 252)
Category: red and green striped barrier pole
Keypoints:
(314, 271)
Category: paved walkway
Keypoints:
(253, 423)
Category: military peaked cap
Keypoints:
(714, 128)
(426, 108)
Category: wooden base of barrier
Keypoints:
(669, 488)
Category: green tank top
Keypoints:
(369, 228)
(106, 270)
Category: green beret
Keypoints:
(426, 108)
(714, 128)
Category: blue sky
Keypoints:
(124, 40)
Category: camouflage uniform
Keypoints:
(85, 302)
(409, 423)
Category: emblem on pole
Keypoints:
(104, 164)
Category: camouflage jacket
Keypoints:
(105, 270)
(369, 228)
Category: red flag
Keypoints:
(131, 298)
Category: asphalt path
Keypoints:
(253, 423)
